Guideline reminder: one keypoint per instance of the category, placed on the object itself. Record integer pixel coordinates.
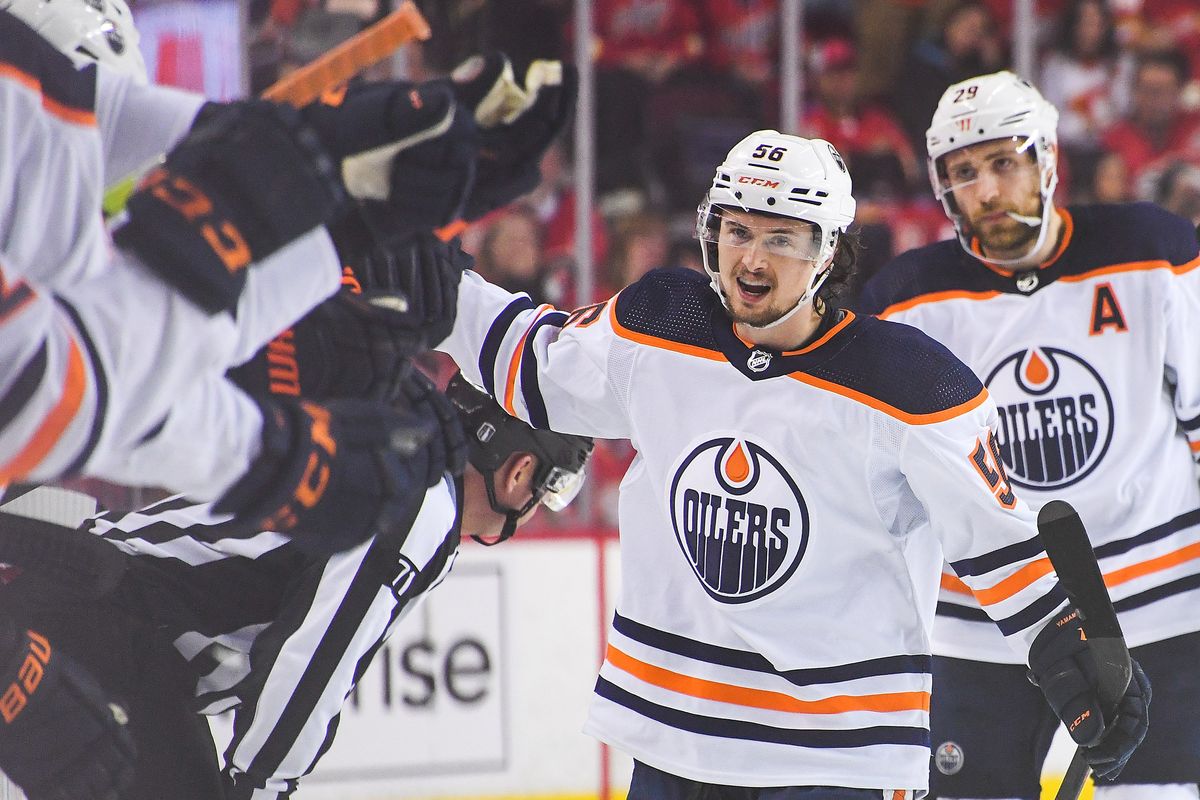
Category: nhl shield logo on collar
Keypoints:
(1027, 281)
(758, 361)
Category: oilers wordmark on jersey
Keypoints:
(1056, 419)
(782, 525)
(739, 517)
(1096, 378)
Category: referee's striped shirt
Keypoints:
(309, 626)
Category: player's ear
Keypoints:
(514, 479)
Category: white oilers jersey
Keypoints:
(1093, 361)
(782, 526)
(97, 351)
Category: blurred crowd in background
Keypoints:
(678, 82)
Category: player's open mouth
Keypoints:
(752, 290)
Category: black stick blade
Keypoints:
(1071, 553)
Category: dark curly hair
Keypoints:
(841, 269)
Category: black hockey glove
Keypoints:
(247, 179)
(61, 737)
(419, 395)
(331, 476)
(1061, 663)
(344, 347)
(518, 118)
(416, 283)
(406, 151)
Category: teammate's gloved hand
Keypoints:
(416, 282)
(344, 347)
(61, 737)
(518, 118)
(332, 475)
(1061, 663)
(247, 179)
(406, 151)
(418, 394)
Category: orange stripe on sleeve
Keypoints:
(514, 366)
(1195, 446)
(1014, 583)
(952, 583)
(55, 422)
(762, 698)
(1180, 556)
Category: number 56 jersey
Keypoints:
(782, 525)
(1093, 360)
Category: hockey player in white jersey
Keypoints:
(800, 472)
(1082, 323)
(193, 618)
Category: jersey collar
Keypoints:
(757, 362)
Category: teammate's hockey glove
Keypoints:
(519, 115)
(344, 347)
(406, 151)
(248, 178)
(332, 475)
(1061, 663)
(416, 283)
(61, 736)
(419, 395)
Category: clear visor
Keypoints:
(561, 487)
(1001, 162)
(783, 237)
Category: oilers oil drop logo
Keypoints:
(1056, 417)
(739, 518)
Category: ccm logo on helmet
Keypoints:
(739, 518)
(758, 182)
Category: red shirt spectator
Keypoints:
(647, 36)
(870, 139)
(1157, 127)
(740, 36)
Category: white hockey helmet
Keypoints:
(86, 30)
(1001, 105)
(786, 176)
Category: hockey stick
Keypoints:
(343, 62)
(1074, 560)
(309, 82)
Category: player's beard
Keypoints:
(758, 315)
(1007, 235)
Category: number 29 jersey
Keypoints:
(1093, 360)
(782, 525)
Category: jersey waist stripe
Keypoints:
(757, 731)
(919, 664)
(655, 341)
(70, 114)
(904, 416)
(56, 420)
(763, 698)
